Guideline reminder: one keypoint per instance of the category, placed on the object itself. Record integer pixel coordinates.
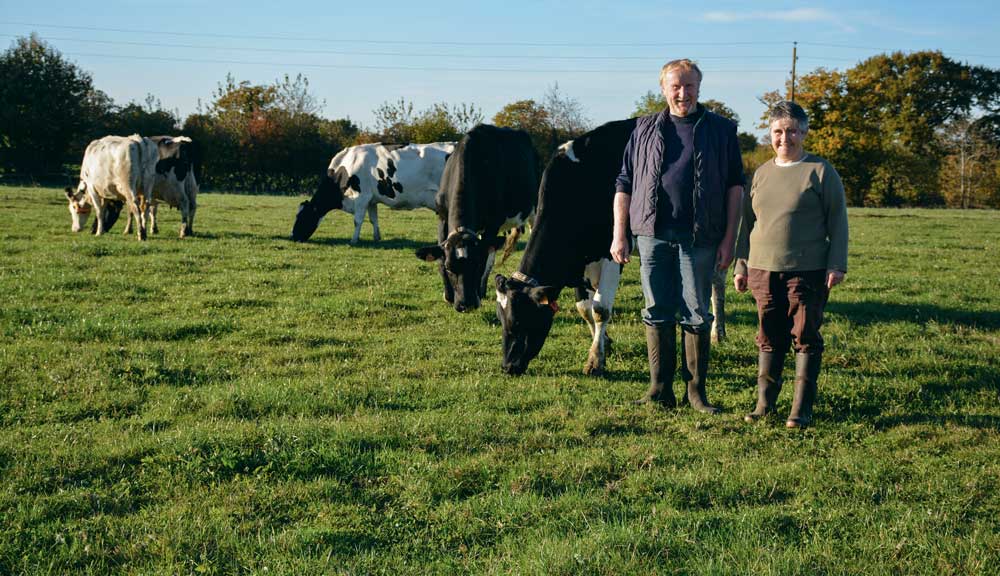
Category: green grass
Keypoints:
(234, 403)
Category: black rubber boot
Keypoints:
(661, 346)
(769, 367)
(806, 375)
(696, 348)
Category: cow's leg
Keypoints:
(185, 215)
(719, 306)
(487, 272)
(142, 216)
(449, 290)
(603, 305)
(192, 208)
(359, 218)
(585, 307)
(128, 222)
(98, 205)
(373, 218)
(152, 218)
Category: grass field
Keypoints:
(234, 403)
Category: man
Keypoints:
(679, 193)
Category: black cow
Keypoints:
(569, 246)
(489, 186)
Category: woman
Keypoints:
(791, 251)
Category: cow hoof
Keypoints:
(593, 367)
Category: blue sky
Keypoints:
(606, 55)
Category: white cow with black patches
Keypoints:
(359, 178)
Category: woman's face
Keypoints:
(786, 139)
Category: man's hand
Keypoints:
(833, 277)
(724, 255)
(620, 249)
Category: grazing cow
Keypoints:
(489, 186)
(175, 186)
(119, 168)
(569, 246)
(402, 177)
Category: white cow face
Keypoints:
(79, 208)
(169, 146)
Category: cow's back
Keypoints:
(110, 163)
(489, 178)
(576, 195)
(410, 176)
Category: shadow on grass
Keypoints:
(978, 421)
(867, 313)
(391, 244)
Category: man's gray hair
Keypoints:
(791, 111)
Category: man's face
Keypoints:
(786, 139)
(680, 88)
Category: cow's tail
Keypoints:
(510, 244)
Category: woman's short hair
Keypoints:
(682, 64)
(789, 110)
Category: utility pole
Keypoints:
(795, 57)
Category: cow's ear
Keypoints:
(430, 253)
(544, 295)
(69, 192)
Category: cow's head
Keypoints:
(525, 311)
(169, 146)
(79, 206)
(329, 195)
(464, 256)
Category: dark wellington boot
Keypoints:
(696, 348)
(806, 375)
(661, 346)
(769, 366)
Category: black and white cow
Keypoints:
(119, 168)
(359, 178)
(569, 246)
(489, 187)
(175, 186)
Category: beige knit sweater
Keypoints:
(793, 218)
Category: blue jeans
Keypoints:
(676, 281)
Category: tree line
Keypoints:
(914, 129)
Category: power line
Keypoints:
(375, 67)
(392, 54)
(401, 42)
(890, 50)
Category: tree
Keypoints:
(969, 175)
(148, 120)
(266, 137)
(565, 113)
(878, 122)
(549, 123)
(534, 119)
(396, 122)
(650, 103)
(47, 104)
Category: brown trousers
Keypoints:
(789, 309)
